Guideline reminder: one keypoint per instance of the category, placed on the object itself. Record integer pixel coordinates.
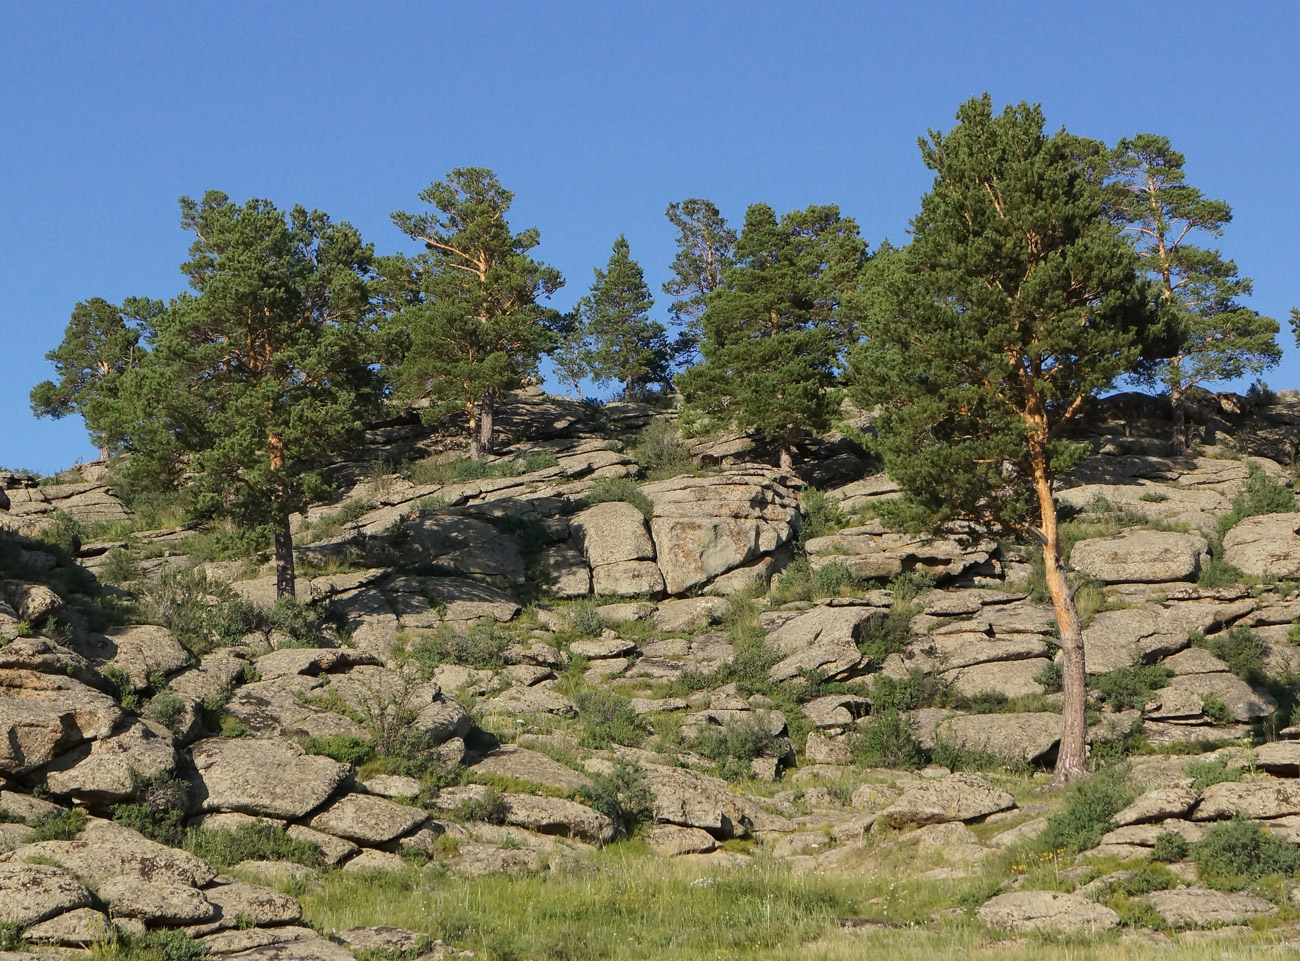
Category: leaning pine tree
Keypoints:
(1015, 304)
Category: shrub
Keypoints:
(1235, 852)
(63, 826)
(202, 613)
(882, 636)
(257, 841)
(1170, 847)
(1154, 497)
(608, 719)
(618, 489)
(1260, 494)
(821, 515)
(1219, 573)
(168, 710)
(662, 452)
(482, 646)
(910, 585)
(918, 689)
(1130, 688)
(989, 702)
(887, 740)
(11, 937)
(733, 745)
(1216, 710)
(1241, 649)
(291, 616)
(120, 567)
(346, 750)
(489, 807)
(623, 796)
(584, 618)
(1050, 677)
(1206, 773)
(537, 460)
(1089, 807)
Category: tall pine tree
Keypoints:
(705, 245)
(474, 324)
(774, 329)
(626, 345)
(1213, 337)
(1016, 302)
(262, 374)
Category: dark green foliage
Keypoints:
(163, 944)
(705, 245)
(1241, 649)
(821, 515)
(774, 329)
(1211, 336)
(1234, 853)
(100, 344)
(202, 613)
(618, 489)
(263, 374)
(1216, 710)
(887, 740)
(251, 842)
(1260, 494)
(734, 744)
(1219, 573)
(300, 621)
(490, 807)
(608, 719)
(160, 808)
(1130, 688)
(888, 634)
(1050, 677)
(1012, 272)
(347, 750)
(168, 710)
(1214, 771)
(799, 582)
(482, 646)
(626, 345)
(918, 689)
(623, 796)
(63, 826)
(1170, 847)
(466, 315)
(1090, 805)
(989, 702)
(1147, 878)
(584, 618)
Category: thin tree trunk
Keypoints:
(1072, 758)
(103, 454)
(475, 452)
(1179, 404)
(285, 575)
(487, 408)
(787, 458)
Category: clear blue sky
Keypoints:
(596, 114)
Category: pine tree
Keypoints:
(571, 355)
(474, 323)
(1016, 302)
(1213, 337)
(705, 245)
(100, 344)
(262, 374)
(626, 345)
(774, 329)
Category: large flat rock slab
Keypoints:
(1011, 737)
(264, 777)
(1050, 911)
(957, 797)
(1150, 557)
(30, 893)
(1266, 546)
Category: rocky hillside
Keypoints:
(610, 636)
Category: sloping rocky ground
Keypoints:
(501, 670)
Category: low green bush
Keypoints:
(1210, 772)
(624, 489)
(203, 613)
(1129, 688)
(1233, 853)
(1090, 804)
(346, 750)
(623, 796)
(888, 739)
(1260, 494)
(489, 807)
(1170, 847)
(482, 646)
(733, 745)
(1241, 649)
(251, 842)
(607, 719)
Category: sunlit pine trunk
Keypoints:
(1178, 401)
(787, 459)
(285, 574)
(1072, 758)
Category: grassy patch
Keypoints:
(624, 489)
(1089, 806)
(1260, 494)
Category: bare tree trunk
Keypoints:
(103, 454)
(1178, 402)
(475, 452)
(487, 408)
(787, 458)
(1072, 758)
(285, 575)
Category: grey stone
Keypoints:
(957, 797)
(30, 893)
(1197, 906)
(1013, 737)
(263, 777)
(1140, 556)
(367, 820)
(1266, 546)
(1050, 911)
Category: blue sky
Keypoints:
(596, 114)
